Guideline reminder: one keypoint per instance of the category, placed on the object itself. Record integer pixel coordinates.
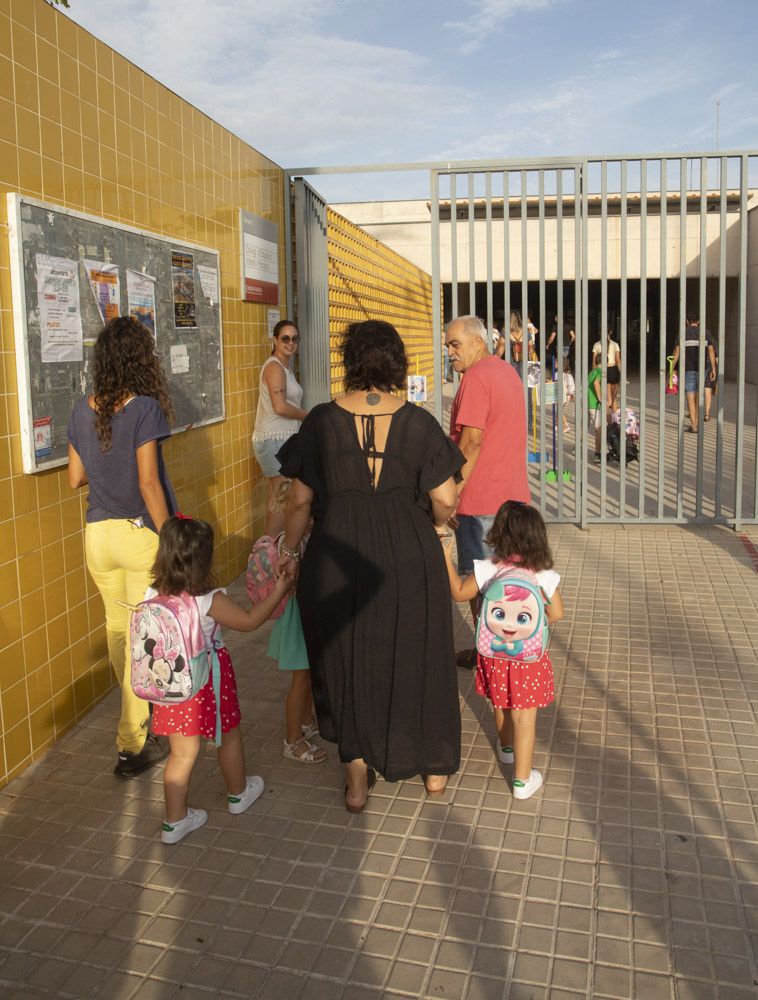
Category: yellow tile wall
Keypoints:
(82, 127)
(368, 280)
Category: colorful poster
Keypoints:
(140, 296)
(60, 317)
(208, 282)
(105, 285)
(417, 388)
(183, 285)
(260, 259)
(43, 438)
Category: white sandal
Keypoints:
(310, 730)
(312, 755)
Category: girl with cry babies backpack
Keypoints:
(520, 599)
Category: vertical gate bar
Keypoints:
(721, 334)
(662, 336)
(643, 340)
(454, 304)
(506, 266)
(585, 311)
(740, 429)
(622, 344)
(436, 295)
(524, 293)
(471, 247)
(559, 332)
(543, 407)
(682, 318)
(288, 243)
(580, 458)
(603, 332)
(488, 238)
(703, 250)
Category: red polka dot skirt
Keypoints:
(197, 717)
(514, 683)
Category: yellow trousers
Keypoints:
(119, 557)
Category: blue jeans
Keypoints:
(470, 538)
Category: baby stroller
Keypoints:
(631, 434)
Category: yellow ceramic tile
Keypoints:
(75, 587)
(64, 712)
(32, 610)
(78, 623)
(28, 130)
(12, 668)
(25, 82)
(35, 648)
(71, 516)
(102, 679)
(42, 726)
(55, 598)
(57, 634)
(89, 117)
(73, 551)
(7, 121)
(51, 139)
(29, 573)
(53, 188)
(47, 63)
(8, 582)
(83, 694)
(15, 705)
(60, 672)
(30, 172)
(39, 689)
(46, 25)
(18, 746)
(24, 46)
(24, 492)
(27, 533)
(50, 525)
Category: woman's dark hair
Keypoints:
(185, 557)
(374, 357)
(282, 324)
(125, 364)
(519, 534)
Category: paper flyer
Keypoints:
(179, 359)
(43, 438)
(273, 316)
(105, 285)
(417, 388)
(60, 317)
(183, 285)
(208, 282)
(140, 295)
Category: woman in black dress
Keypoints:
(376, 473)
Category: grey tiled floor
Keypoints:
(632, 874)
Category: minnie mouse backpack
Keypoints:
(512, 623)
(170, 658)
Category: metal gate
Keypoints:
(633, 244)
(630, 245)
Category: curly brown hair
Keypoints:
(519, 535)
(184, 563)
(126, 364)
(374, 357)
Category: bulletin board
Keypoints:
(70, 273)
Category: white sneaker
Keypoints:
(172, 833)
(525, 789)
(253, 790)
(504, 754)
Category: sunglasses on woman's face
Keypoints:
(286, 339)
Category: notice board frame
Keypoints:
(15, 201)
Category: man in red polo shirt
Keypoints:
(488, 423)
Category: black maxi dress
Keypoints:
(373, 591)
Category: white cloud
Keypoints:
(488, 15)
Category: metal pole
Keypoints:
(436, 295)
(740, 429)
(662, 339)
(643, 338)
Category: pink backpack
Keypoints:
(261, 572)
(170, 659)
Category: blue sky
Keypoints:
(324, 82)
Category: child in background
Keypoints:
(517, 688)
(183, 566)
(569, 391)
(595, 405)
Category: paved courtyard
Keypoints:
(632, 874)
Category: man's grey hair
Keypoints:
(472, 326)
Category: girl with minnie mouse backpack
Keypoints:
(181, 665)
(520, 599)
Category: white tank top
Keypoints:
(269, 426)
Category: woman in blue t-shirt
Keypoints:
(114, 448)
